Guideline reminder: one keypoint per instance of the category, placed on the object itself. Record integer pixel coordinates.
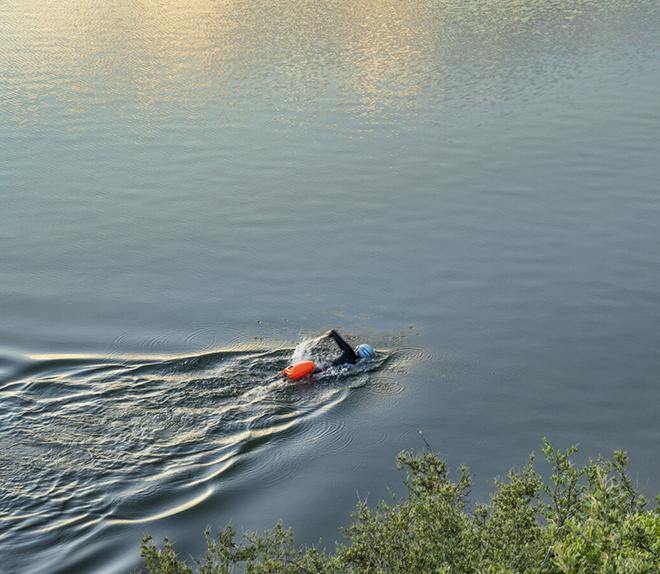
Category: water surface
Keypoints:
(189, 189)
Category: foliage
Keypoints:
(583, 519)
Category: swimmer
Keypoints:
(349, 356)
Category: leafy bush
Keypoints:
(587, 519)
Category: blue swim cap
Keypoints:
(365, 351)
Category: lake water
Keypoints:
(191, 189)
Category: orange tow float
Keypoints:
(299, 370)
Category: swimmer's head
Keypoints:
(365, 351)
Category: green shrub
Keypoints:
(586, 520)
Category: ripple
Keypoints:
(171, 511)
(117, 440)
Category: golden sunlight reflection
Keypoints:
(187, 505)
(180, 56)
(390, 50)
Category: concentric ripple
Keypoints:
(106, 440)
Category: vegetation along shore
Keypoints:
(579, 519)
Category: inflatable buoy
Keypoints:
(299, 370)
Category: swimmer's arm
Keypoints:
(347, 350)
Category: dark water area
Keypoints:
(191, 190)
